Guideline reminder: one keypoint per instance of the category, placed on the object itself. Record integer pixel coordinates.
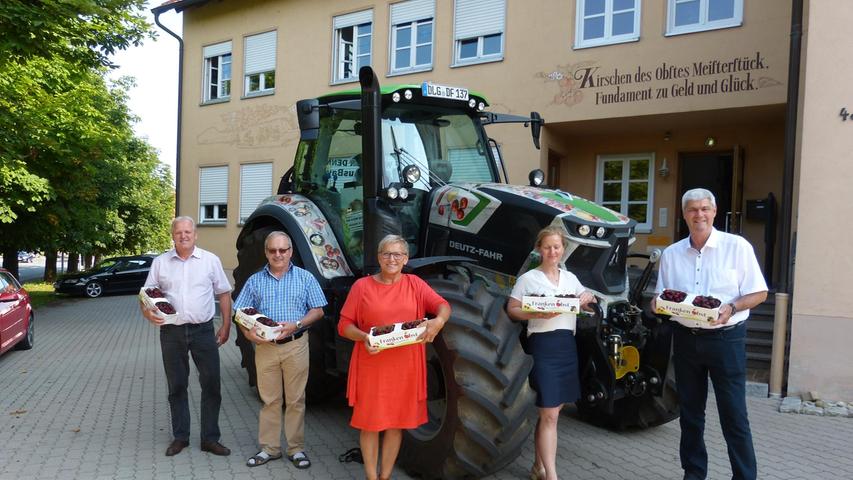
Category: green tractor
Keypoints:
(415, 160)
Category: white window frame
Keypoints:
(648, 225)
(345, 52)
(608, 14)
(414, 15)
(217, 54)
(252, 177)
(489, 17)
(413, 46)
(703, 24)
(213, 194)
(259, 66)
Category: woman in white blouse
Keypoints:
(552, 344)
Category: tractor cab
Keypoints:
(427, 141)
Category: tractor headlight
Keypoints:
(583, 230)
(408, 94)
(396, 97)
(481, 106)
(472, 103)
(536, 177)
(392, 193)
(412, 174)
(404, 193)
(600, 232)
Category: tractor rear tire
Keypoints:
(480, 406)
(251, 258)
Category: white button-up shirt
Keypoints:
(189, 285)
(725, 268)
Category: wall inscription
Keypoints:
(591, 82)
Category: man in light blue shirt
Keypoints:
(292, 298)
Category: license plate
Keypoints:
(443, 91)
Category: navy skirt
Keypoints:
(555, 368)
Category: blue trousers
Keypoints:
(177, 342)
(722, 356)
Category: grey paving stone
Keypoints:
(93, 393)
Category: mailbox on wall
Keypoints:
(758, 210)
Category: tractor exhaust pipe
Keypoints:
(379, 219)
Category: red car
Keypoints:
(16, 314)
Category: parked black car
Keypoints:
(117, 274)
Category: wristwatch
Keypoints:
(299, 322)
(734, 309)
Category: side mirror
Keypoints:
(308, 115)
(8, 297)
(536, 127)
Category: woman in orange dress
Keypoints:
(387, 388)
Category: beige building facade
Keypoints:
(643, 99)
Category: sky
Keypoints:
(154, 100)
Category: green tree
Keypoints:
(82, 32)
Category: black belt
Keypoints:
(290, 338)
(708, 331)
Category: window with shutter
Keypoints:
(213, 194)
(217, 72)
(255, 186)
(479, 31)
(352, 45)
(259, 66)
(412, 36)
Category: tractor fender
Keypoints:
(416, 264)
(312, 236)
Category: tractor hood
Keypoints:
(469, 207)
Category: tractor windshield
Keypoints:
(445, 144)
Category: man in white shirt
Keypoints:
(189, 277)
(710, 262)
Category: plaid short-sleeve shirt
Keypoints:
(285, 299)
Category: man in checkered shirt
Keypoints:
(292, 298)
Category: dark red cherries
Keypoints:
(673, 296)
(706, 302)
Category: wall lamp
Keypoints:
(710, 141)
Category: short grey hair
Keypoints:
(180, 219)
(697, 194)
(277, 233)
(392, 239)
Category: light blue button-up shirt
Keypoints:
(285, 299)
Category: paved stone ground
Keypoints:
(89, 402)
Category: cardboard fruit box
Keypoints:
(152, 297)
(686, 309)
(396, 335)
(249, 318)
(550, 304)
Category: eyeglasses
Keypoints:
(394, 255)
(280, 251)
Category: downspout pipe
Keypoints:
(157, 11)
(779, 355)
(785, 249)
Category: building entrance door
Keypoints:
(722, 174)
